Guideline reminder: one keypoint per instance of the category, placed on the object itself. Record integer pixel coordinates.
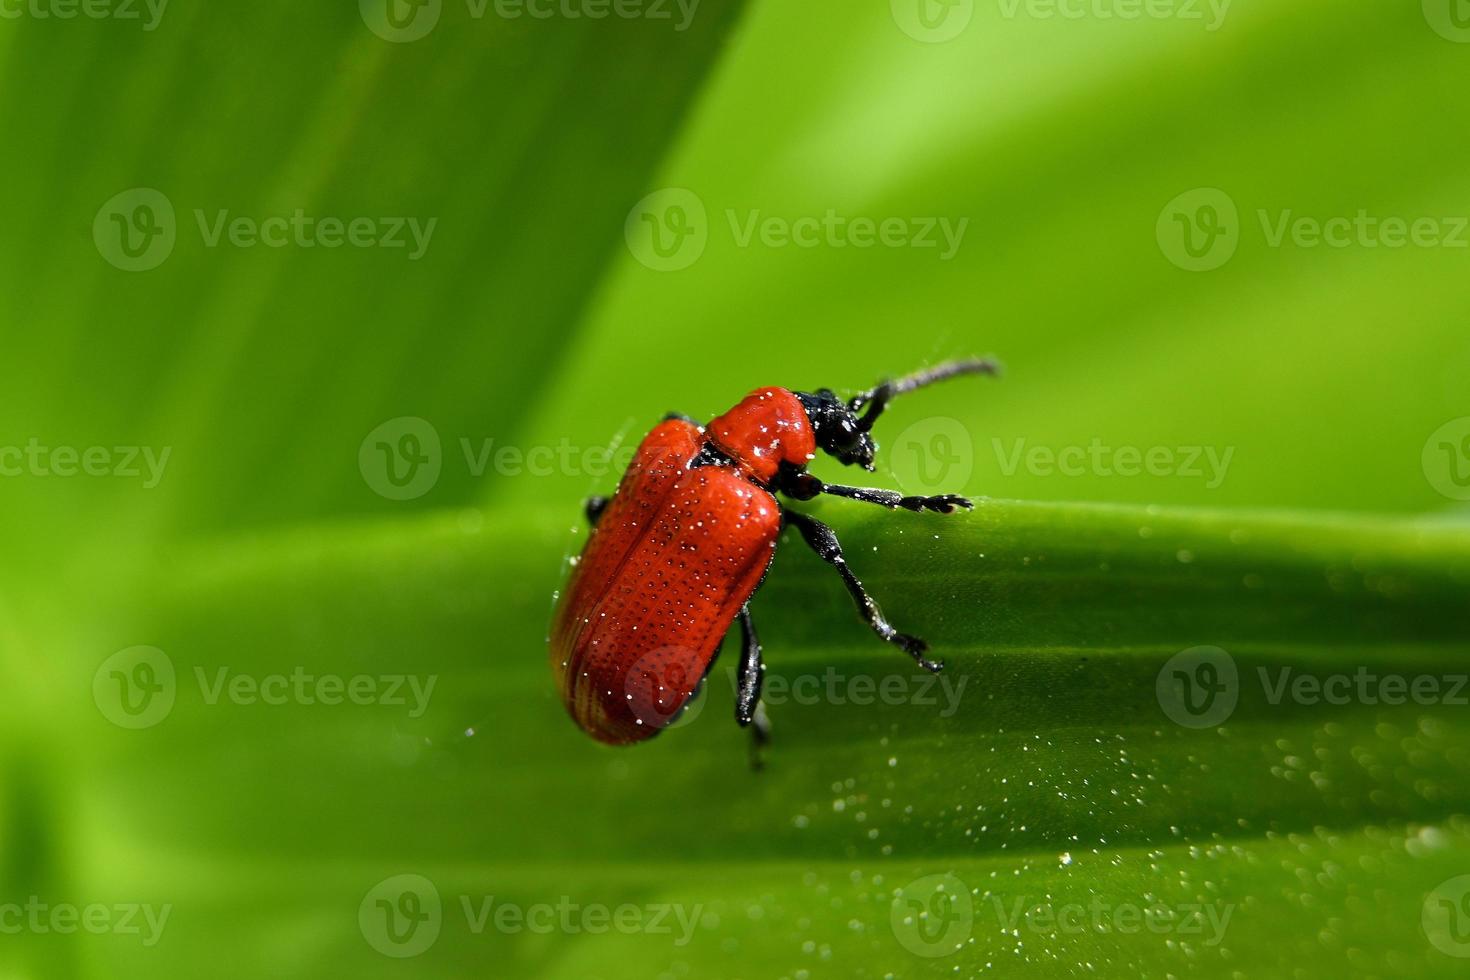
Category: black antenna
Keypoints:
(878, 398)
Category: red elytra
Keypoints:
(677, 552)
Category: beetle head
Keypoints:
(838, 429)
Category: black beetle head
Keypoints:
(841, 432)
(838, 429)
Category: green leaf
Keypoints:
(1053, 783)
(263, 368)
(1043, 769)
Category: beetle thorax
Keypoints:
(769, 427)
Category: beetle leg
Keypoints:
(748, 708)
(679, 417)
(594, 508)
(804, 486)
(760, 731)
(751, 672)
(944, 503)
(823, 540)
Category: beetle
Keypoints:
(676, 553)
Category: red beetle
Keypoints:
(678, 551)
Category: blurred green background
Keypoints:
(1175, 221)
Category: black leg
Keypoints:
(594, 508)
(671, 416)
(821, 539)
(749, 711)
(751, 672)
(760, 736)
(801, 485)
